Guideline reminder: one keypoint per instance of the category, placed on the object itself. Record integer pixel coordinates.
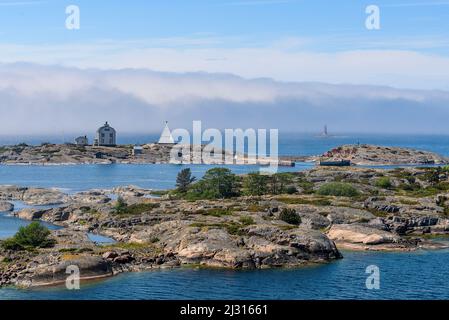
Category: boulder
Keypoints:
(123, 258)
(345, 215)
(90, 197)
(6, 206)
(360, 234)
(90, 267)
(110, 255)
(57, 214)
(42, 197)
(30, 214)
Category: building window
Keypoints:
(111, 135)
(102, 135)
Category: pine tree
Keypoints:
(184, 180)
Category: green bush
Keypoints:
(338, 189)
(255, 184)
(136, 209)
(279, 181)
(32, 236)
(291, 190)
(217, 183)
(120, 205)
(290, 216)
(384, 183)
(246, 221)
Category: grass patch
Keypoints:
(384, 183)
(408, 202)
(306, 186)
(256, 208)
(420, 192)
(215, 212)
(338, 189)
(246, 221)
(160, 193)
(233, 228)
(377, 213)
(287, 228)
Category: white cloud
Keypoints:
(52, 99)
(162, 89)
(285, 60)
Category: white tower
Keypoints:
(166, 137)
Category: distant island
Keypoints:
(160, 153)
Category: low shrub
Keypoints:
(32, 236)
(338, 189)
(218, 212)
(291, 190)
(290, 216)
(246, 221)
(135, 209)
(384, 183)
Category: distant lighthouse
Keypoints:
(325, 134)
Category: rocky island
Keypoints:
(364, 154)
(248, 221)
(155, 153)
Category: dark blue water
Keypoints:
(418, 275)
(82, 177)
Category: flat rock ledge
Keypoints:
(6, 206)
(363, 237)
(90, 268)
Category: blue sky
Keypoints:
(324, 26)
(252, 22)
